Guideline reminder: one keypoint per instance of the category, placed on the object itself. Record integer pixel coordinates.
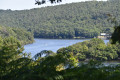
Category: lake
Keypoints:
(50, 44)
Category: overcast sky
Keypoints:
(27, 4)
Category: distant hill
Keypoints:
(76, 20)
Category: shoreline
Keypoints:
(69, 38)
(60, 39)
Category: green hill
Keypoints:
(84, 19)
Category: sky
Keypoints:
(29, 4)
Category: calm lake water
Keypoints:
(50, 44)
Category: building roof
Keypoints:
(102, 34)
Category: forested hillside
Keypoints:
(22, 35)
(93, 49)
(84, 19)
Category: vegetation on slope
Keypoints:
(94, 49)
(22, 35)
(15, 65)
(84, 19)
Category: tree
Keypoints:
(116, 34)
(44, 1)
(11, 60)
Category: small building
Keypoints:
(104, 36)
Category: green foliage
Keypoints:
(76, 20)
(14, 65)
(116, 34)
(22, 35)
(61, 66)
(10, 50)
(44, 1)
(43, 53)
(93, 49)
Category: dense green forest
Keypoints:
(22, 35)
(85, 19)
(94, 49)
(16, 65)
(81, 20)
